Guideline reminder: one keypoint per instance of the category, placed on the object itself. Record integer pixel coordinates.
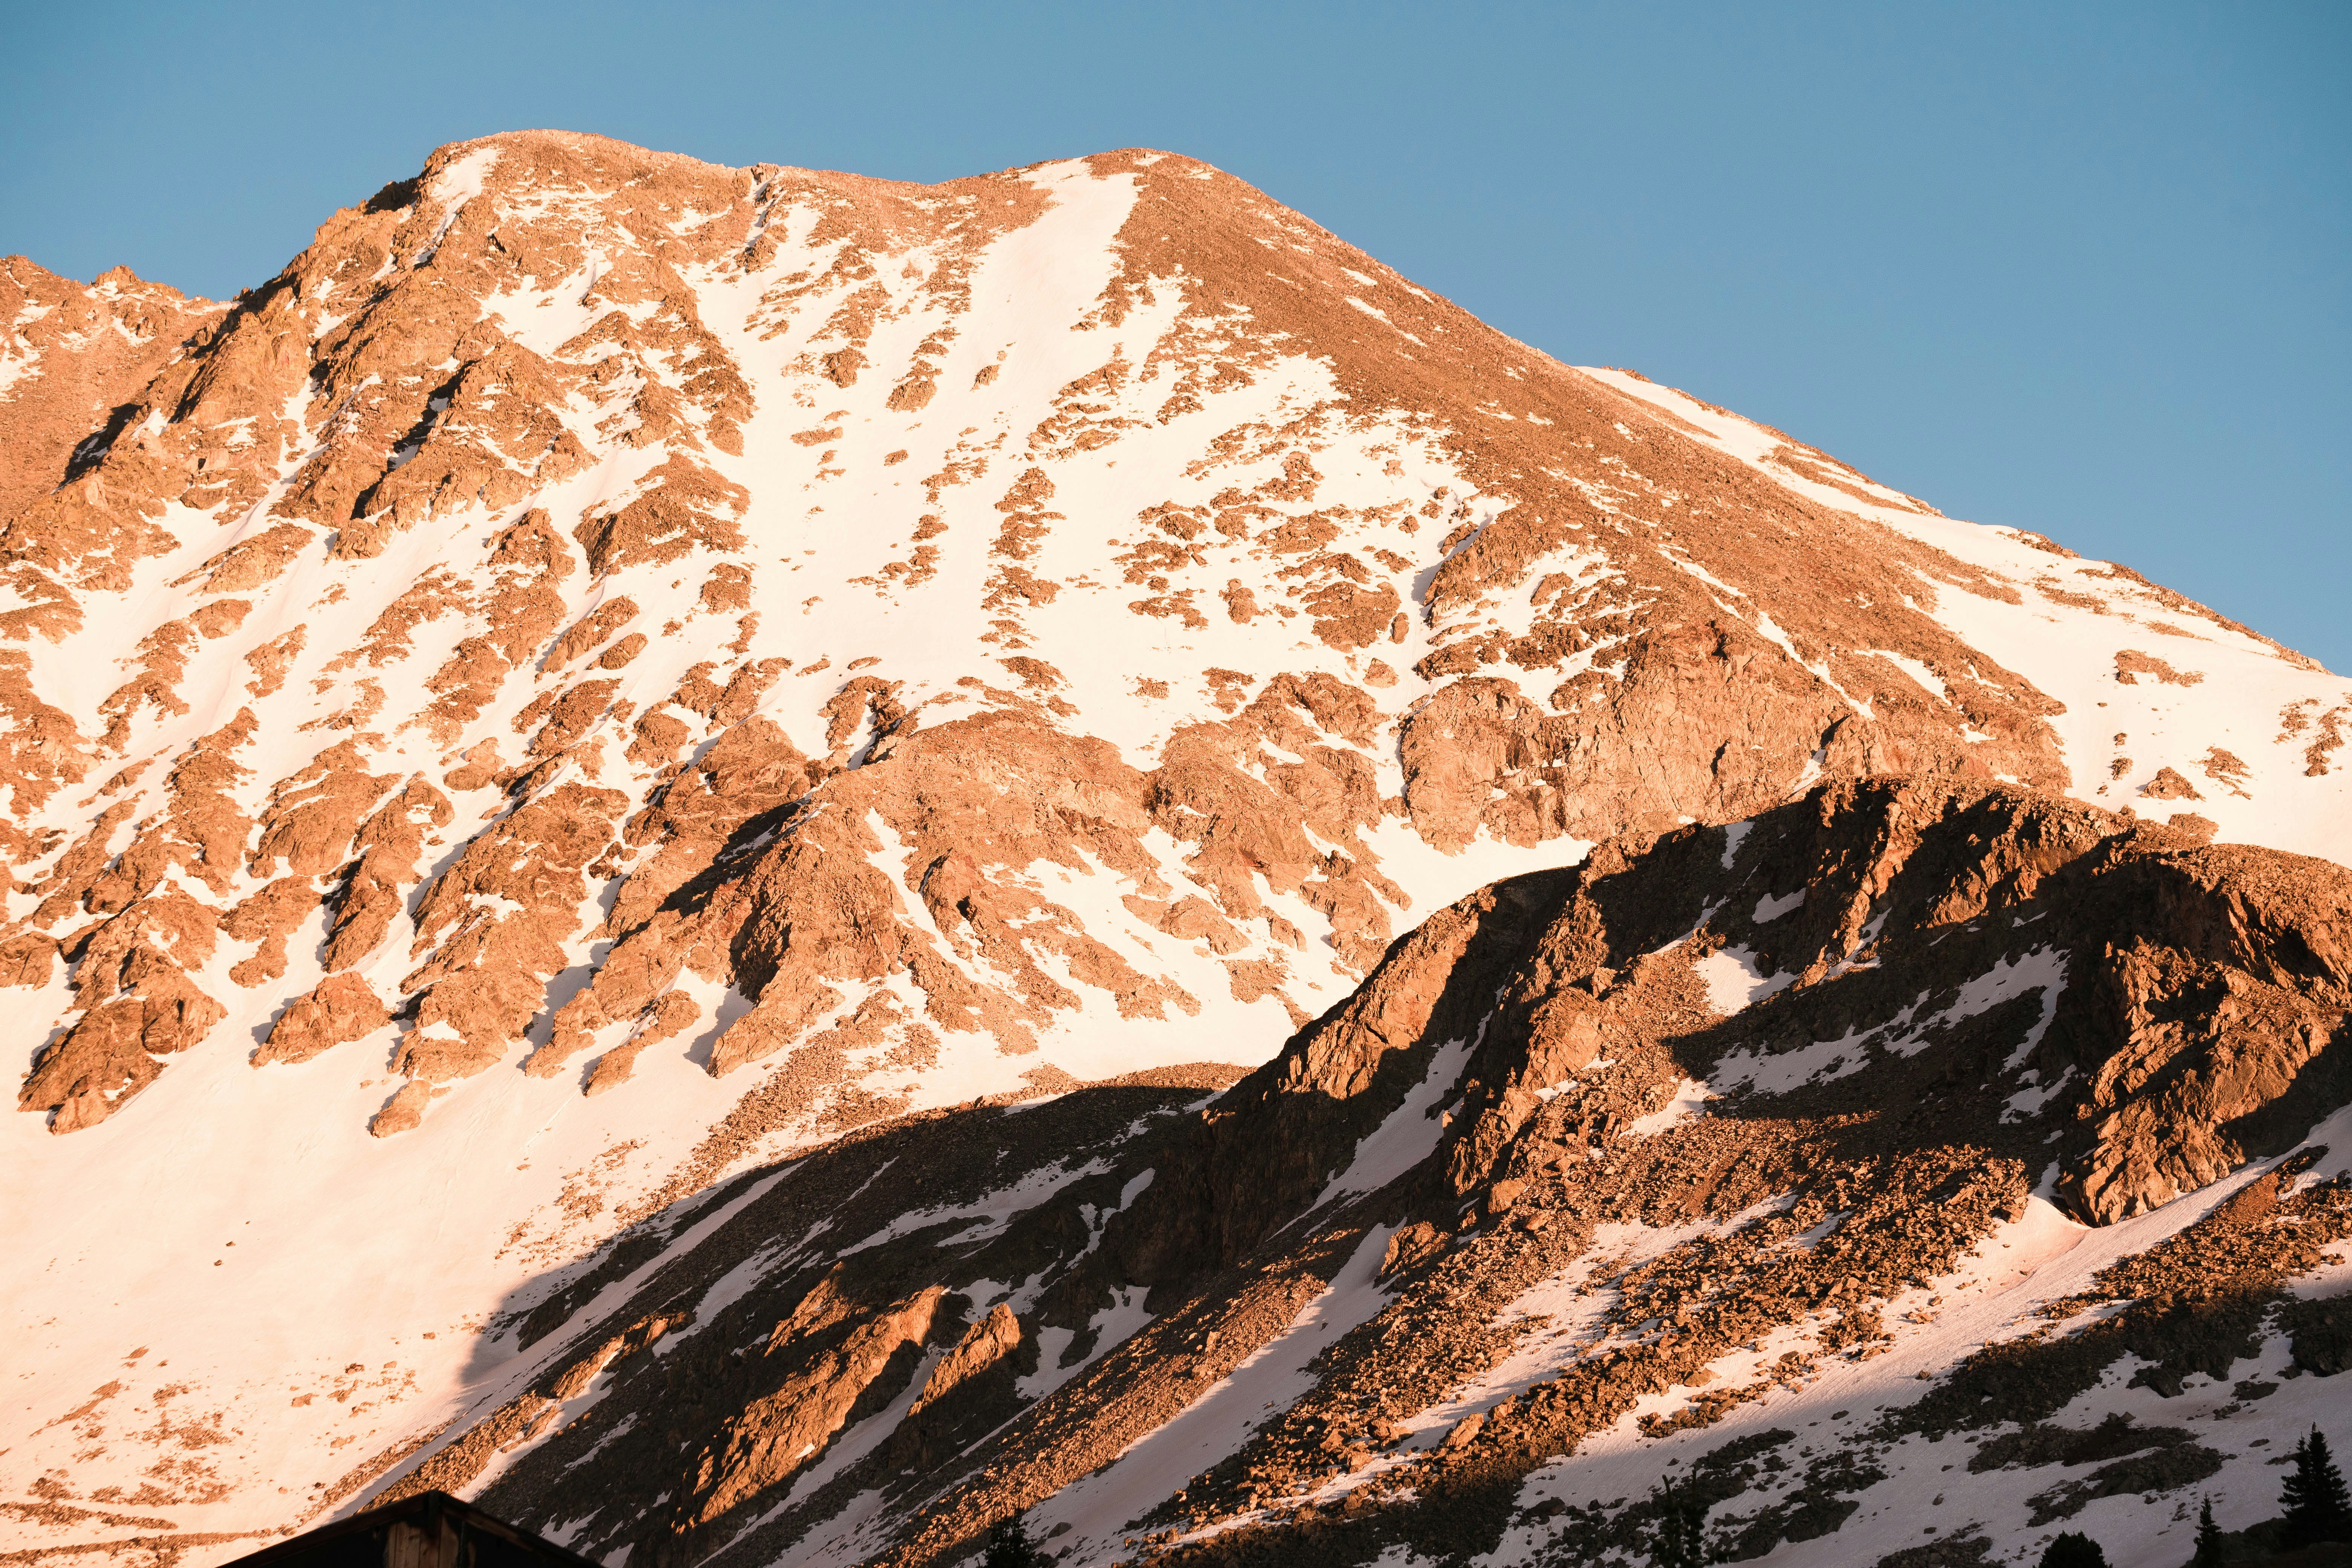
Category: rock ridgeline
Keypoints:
(1981, 994)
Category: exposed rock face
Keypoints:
(1661, 1084)
(767, 652)
(338, 1009)
(72, 358)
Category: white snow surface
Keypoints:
(1410, 1134)
(1734, 984)
(1271, 1379)
(2041, 972)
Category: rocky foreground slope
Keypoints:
(1813, 1158)
(574, 758)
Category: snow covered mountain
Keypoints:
(615, 688)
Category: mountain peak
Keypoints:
(612, 673)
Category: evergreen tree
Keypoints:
(2318, 1506)
(2074, 1549)
(1008, 1546)
(2209, 1538)
(1679, 1530)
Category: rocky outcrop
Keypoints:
(775, 1434)
(491, 930)
(339, 1008)
(68, 350)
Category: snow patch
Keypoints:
(1734, 984)
(1410, 1134)
(1274, 1376)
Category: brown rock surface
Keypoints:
(79, 354)
(339, 1008)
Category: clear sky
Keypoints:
(2082, 269)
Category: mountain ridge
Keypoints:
(1263, 1151)
(599, 678)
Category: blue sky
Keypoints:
(2086, 270)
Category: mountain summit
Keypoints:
(583, 763)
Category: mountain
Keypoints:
(632, 747)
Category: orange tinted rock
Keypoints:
(403, 1112)
(485, 967)
(480, 766)
(531, 545)
(339, 1008)
(108, 1057)
(655, 739)
(492, 440)
(80, 348)
(1195, 920)
(271, 662)
(28, 958)
(681, 507)
(437, 593)
(161, 659)
(221, 617)
(200, 831)
(671, 1013)
(78, 868)
(313, 814)
(391, 844)
(775, 1437)
(620, 655)
(728, 587)
(983, 1344)
(591, 630)
(267, 917)
(570, 715)
(253, 561)
(41, 748)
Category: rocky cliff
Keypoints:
(575, 757)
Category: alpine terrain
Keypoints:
(767, 867)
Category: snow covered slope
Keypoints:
(610, 670)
